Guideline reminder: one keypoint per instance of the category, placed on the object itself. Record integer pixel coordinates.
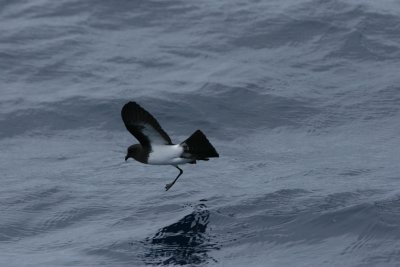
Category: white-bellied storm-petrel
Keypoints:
(156, 147)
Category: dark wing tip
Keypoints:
(129, 108)
(133, 114)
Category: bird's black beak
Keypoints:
(126, 157)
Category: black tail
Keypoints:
(198, 147)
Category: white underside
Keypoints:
(166, 155)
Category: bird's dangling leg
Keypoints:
(168, 186)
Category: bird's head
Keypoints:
(132, 152)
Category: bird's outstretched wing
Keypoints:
(143, 126)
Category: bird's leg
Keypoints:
(168, 186)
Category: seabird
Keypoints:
(156, 147)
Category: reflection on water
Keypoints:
(183, 242)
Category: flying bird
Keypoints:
(155, 146)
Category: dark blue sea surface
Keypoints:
(300, 98)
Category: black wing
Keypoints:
(143, 126)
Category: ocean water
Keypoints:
(300, 98)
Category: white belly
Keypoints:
(166, 155)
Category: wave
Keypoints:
(223, 110)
